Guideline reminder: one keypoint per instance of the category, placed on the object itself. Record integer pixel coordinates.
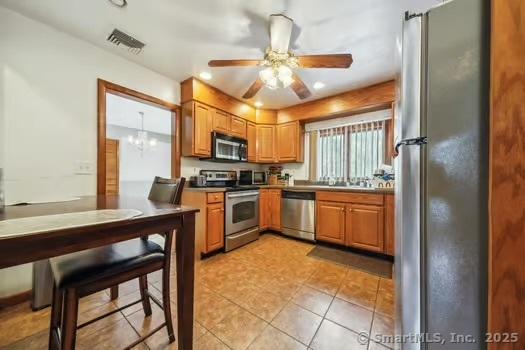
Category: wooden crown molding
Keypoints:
(370, 98)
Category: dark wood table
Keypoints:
(156, 217)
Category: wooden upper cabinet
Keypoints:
(251, 136)
(365, 227)
(331, 222)
(221, 122)
(197, 123)
(238, 127)
(290, 141)
(390, 212)
(193, 89)
(215, 227)
(266, 144)
(275, 209)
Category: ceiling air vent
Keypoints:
(119, 38)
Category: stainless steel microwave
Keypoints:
(251, 177)
(260, 178)
(228, 148)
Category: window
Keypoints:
(348, 149)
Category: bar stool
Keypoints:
(83, 273)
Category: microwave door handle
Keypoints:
(241, 151)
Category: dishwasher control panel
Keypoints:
(307, 196)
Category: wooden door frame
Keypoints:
(105, 87)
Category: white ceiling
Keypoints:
(181, 36)
(124, 112)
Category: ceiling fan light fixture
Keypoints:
(269, 77)
(277, 77)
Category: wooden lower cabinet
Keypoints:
(390, 223)
(209, 221)
(356, 220)
(264, 209)
(364, 227)
(275, 210)
(270, 209)
(215, 227)
(331, 222)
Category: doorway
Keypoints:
(138, 139)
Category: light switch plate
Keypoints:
(83, 167)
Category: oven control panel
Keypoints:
(219, 175)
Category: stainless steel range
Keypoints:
(241, 208)
(242, 217)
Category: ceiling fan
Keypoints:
(280, 62)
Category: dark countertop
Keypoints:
(303, 188)
(332, 188)
(205, 189)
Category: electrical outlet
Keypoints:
(83, 167)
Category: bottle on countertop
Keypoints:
(291, 181)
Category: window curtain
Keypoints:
(348, 152)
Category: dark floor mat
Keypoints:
(374, 265)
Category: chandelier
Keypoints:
(141, 141)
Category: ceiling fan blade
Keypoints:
(299, 87)
(325, 61)
(234, 63)
(254, 88)
(280, 32)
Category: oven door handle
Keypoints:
(247, 194)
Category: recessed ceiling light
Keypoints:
(205, 75)
(258, 104)
(318, 85)
(119, 3)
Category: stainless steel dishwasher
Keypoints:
(298, 214)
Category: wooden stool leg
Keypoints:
(166, 301)
(56, 314)
(114, 292)
(146, 305)
(69, 320)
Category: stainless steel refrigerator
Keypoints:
(442, 174)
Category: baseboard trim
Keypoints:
(15, 299)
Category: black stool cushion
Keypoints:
(91, 265)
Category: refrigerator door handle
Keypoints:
(410, 142)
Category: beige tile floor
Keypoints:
(266, 295)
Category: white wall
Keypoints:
(137, 169)
(49, 94)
